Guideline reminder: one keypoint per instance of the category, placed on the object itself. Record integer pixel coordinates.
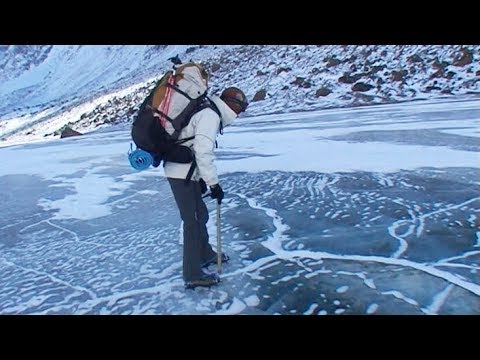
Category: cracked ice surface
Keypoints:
(372, 210)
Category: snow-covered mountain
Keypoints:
(43, 88)
(48, 75)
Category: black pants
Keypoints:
(194, 213)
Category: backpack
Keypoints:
(165, 112)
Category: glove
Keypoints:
(156, 161)
(216, 193)
(203, 186)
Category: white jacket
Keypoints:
(204, 125)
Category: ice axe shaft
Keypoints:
(219, 241)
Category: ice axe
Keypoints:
(219, 237)
(219, 241)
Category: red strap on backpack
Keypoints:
(165, 106)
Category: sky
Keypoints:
(88, 184)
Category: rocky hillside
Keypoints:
(17, 59)
(276, 79)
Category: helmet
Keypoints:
(235, 99)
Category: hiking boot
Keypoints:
(214, 260)
(206, 280)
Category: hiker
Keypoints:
(204, 126)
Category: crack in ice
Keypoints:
(274, 244)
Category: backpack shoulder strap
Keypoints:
(207, 103)
(214, 107)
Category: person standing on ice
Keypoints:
(204, 127)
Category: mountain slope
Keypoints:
(69, 72)
(91, 86)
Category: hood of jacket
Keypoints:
(227, 114)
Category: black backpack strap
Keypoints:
(214, 107)
(179, 91)
(190, 172)
(207, 103)
(181, 141)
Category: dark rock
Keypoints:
(437, 64)
(68, 132)
(333, 61)
(450, 75)
(282, 69)
(360, 86)
(349, 79)
(260, 95)
(399, 75)
(215, 67)
(376, 69)
(430, 88)
(302, 82)
(414, 59)
(465, 58)
(322, 92)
